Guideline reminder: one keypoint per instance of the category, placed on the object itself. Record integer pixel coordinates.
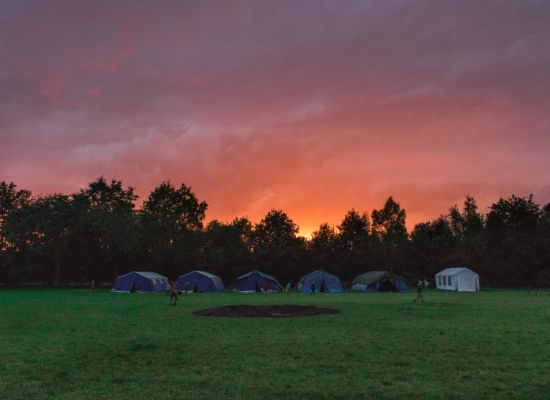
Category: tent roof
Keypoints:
(454, 271)
(322, 271)
(374, 276)
(265, 276)
(146, 274)
(208, 274)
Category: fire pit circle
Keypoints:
(260, 311)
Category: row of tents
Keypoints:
(460, 279)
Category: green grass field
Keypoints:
(72, 344)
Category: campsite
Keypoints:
(277, 199)
(103, 345)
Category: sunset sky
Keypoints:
(313, 107)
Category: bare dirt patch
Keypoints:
(279, 311)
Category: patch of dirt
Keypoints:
(265, 311)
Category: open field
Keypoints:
(71, 344)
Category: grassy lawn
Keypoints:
(71, 344)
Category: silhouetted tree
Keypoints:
(388, 223)
(172, 222)
(433, 246)
(11, 200)
(106, 228)
(390, 231)
(276, 247)
(323, 247)
(97, 234)
(354, 245)
(473, 221)
(40, 232)
(516, 247)
(228, 247)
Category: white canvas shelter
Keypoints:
(459, 279)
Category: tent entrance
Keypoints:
(387, 286)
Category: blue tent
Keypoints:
(255, 281)
(138, 281)
(199, 281)
(324, 282)
(379, 281)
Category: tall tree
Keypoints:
(517, 249)
(473, 220)
(354, 229)
(323, 247)
(227, 247)
(388, 223)
(106, 227)
(456, 222)
(172, 220)
(388, 227)
(546, 213)
(11, 199)
(354, 250)
(433, 245)
(40, 232)
(276, 247)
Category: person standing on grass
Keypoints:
(173, 293)
(287, 287)
(313, 288)
(419, 296)
(92, 286)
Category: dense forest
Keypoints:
(98, 233)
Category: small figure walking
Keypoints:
(92, 286)
(313, 288)
(287, 287)
(173, 293)
(419, 296)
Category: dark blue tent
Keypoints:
(324, 282)
(199, 281)
(255, 281)
(138, 281)
(380, 281)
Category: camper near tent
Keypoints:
(458, 279)
(255, 281)
(379, 281)
(324, 282)
(199, 281)
(141, 281)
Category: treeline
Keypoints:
(98, 234)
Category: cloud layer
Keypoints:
(310, 106)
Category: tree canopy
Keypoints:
(99, 233)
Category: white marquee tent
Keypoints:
(459, 279)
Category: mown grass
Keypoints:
(71, 344)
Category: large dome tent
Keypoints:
(379, 281)
(141, 281)
(199, 281)
(324, 282)
(255, 281)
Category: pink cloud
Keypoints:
(307, 106)
(53, 85)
